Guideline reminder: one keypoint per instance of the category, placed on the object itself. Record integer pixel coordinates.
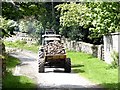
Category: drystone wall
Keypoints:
(95, 50)
(22, 37)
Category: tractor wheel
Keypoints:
(41, 62)
(41, 54)
(67, 65)
(41, 65)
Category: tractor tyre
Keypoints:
(41, 65)
(41, 54)
(41, 62)
(67, 65)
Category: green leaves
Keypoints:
(31, 26)
(95, 19)
(7, 27)
(71, 14)
(100, 18)
(72, 20)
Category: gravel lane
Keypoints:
(53, 78)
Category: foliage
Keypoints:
(71, 16)
(31, 26)
(41, 10)
(115, 56)
(75, 33)
(78, 21)
(98, 18)
(18, 10)
(24, 12)
(32, 17)
(104, 17)
(7, 27)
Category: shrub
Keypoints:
(115, 62)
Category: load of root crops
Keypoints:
(55, 47)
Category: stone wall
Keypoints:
(95, 50)
(22, 37)
(104, 52)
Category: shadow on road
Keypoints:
(55, 71)
(77, 68)
(77, 65)
(71, 87)
(58, 71)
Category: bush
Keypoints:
(115, 56)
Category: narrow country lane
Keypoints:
(52, 78)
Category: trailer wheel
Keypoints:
(67, 65)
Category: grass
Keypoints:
(15, 82)
(94, 69)
(22, 45)
(87, 66)
(11, 62)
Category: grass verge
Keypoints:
(15, 82)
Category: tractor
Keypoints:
(52, 53)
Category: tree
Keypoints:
(31, 26)
(96, 18)
(71, 20)
(41, 10)
(7, 27)
(104, 18)
(40, 13)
